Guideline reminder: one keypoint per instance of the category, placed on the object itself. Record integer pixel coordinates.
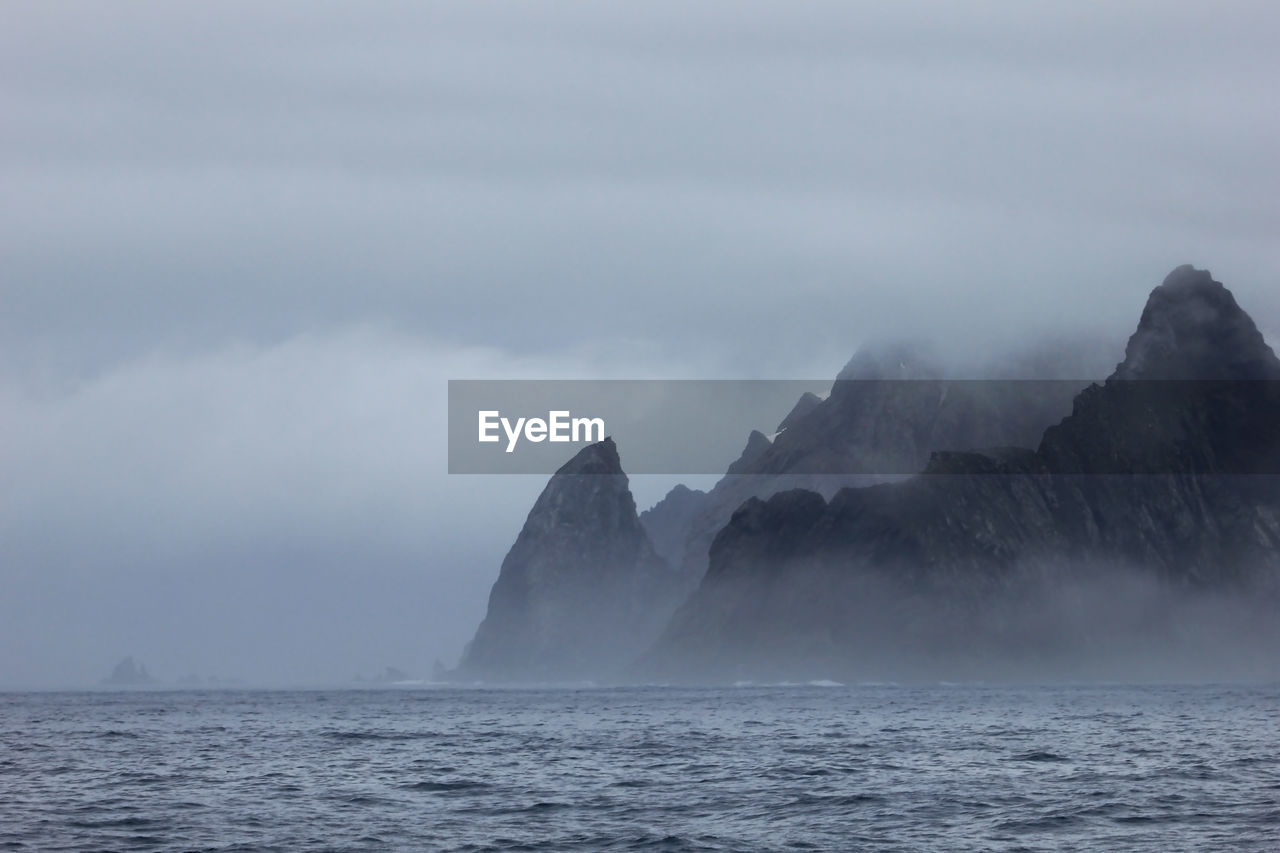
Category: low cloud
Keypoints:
(245, 246)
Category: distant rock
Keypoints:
(390, 675)
(129, 673)
(582, 591)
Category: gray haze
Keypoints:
(242, 248)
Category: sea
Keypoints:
(820, 766)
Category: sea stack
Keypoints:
(582, 591)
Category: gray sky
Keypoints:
(243, 246)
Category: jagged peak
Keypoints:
(592, 482)
(678, 498)
(679, 495)
(893, 360)
(807, 403)
(757, 444)
(599, 458)
(1193, 328)
(680, 492)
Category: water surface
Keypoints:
(747, 768)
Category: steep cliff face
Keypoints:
(1195, 394)
(758, 445)
(1151, 498)
(1174, 457)
(667, 521)
(890, 407)
(807, 403)
(582, 590)
(1193, 329)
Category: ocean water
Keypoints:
(801, 767)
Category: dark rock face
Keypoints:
(757, 446)
(889, 409)
(807, 403)
(667, 521)
(1193, 329)
(1195, 394)
(582, 590)
(1101, 548)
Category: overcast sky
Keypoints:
(243, 246)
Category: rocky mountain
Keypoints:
(667, 522)
(1143, 531)
(807, 403)
(582, 591)
(890, 407)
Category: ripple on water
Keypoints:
(644, 769)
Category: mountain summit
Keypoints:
(1193, 329)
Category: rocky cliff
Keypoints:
(582, 591)
(1142, 532)
(667, 521)
(889, 409)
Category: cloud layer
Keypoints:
(244, 247)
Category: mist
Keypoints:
(244, 249)
(1045, 622)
